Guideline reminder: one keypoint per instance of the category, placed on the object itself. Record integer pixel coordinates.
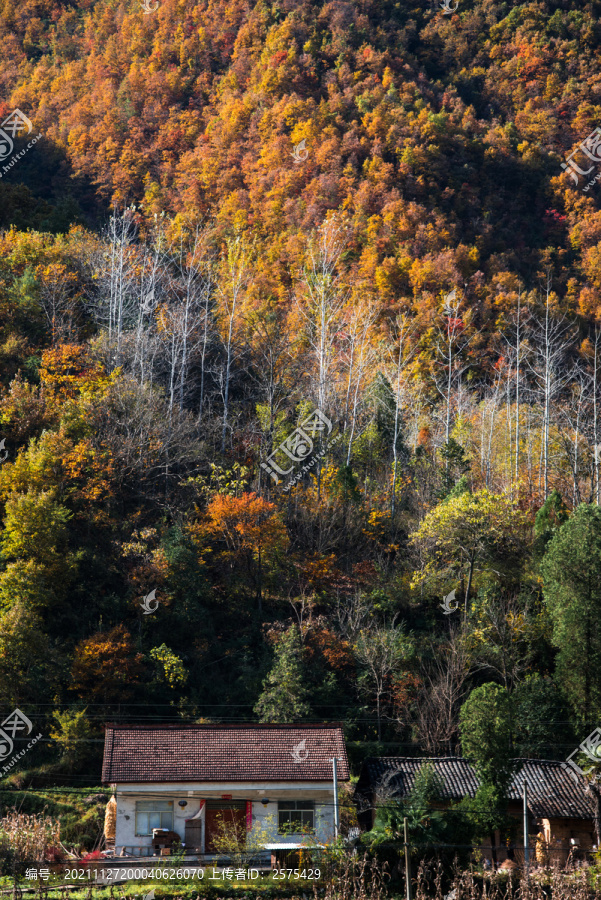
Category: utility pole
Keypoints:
(526, 849)
(407, 863)
(334, 762)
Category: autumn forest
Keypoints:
(300, 370)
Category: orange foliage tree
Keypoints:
(252, 535)
(105, 666)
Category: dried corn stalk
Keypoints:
(28, 838)
(110, 820)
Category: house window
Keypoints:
(295, 816)
(153, 814)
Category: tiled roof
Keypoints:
(552, 791)
(395, 775)
(138, 753)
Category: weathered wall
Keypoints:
(265, 818)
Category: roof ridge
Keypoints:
(213, 726)
(531, 759)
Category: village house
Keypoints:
(186, 781)
(560, 808)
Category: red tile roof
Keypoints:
(158, 753)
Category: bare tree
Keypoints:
(153, 286)
(352, 615)
(489, 409)
(552, 340)
(591, 371)
(116, 297)
(149, 447)
(188, 318)
(321, 299)
(273, 370)
(595, 389)
(453, 338)
(517, 350)
(232, 285)
(379, 651)
(60, 307)
(443, 689)
(501, 644)
(404, 353)
(572, 418)
(361, 355)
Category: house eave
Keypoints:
(221, 786)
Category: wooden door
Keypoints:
(225, 822)
(193, 835)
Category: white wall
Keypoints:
(265, 817)
(126, 817)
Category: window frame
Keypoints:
(300, 816)
(165, 810)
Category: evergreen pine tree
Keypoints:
(284, 697)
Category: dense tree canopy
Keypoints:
(299, 334)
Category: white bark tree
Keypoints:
(453, 338)
(233, 282)
(551, 338)
(321, 299)
(404, 353)
(116, 301)
(361, 355)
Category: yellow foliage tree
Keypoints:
(467, 533)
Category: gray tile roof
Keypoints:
(552, 792)
(395, 775)
(202, 753)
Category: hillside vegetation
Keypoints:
(240, 213)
